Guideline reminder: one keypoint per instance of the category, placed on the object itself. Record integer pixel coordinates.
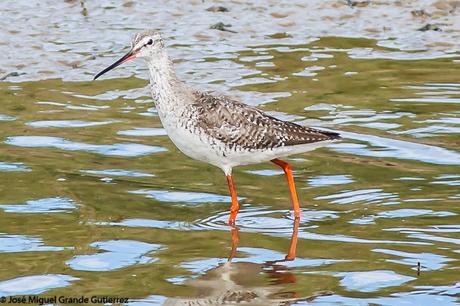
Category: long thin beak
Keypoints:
(128, 56)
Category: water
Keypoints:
(95, 199)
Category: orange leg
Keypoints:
(288, 172)
(235, 205)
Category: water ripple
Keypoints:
(182, 196)
(143, 132)
(261, 256)
(48, 205)
(428, 100)
(150, 300)
(118, 172)
(428, 237)
(256, 256)
(328, 180)
(403, 213)
(366, 116)
(67, 123)
(259, 220)
(34, 284)
(10, 167)
(265, 172)
(453, 290)
(253, 220)
(150, 223)
(117, 149)
(434, 93)
(370, 53)
(117, 254)
(21, 243)
(430, 131)
(6, 118)
(428, 261)
(419, 298)
(450, 228)
(369, 281)
(450, 180)
(84, 107)
(399, 149)
(356, 196)
(111, 95)
(409, 178)
(351, 239)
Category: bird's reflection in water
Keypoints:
(239, 281)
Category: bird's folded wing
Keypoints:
(246, 127)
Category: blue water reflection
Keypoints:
(368, 281)
(116, 254)
(34, 284)
(380, 147)
(118, 172)
(7, 167)
(67, 123)
(22, 243)
(117, 149)
(182, 196)
(47, 205)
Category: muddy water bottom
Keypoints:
(95, 199)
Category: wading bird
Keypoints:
(218, 129)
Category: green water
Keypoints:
(95, 199)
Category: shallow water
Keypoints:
(95, 199)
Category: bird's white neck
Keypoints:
(167, 90)
(162, 74)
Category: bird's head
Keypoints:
(146, 44)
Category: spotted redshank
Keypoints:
(217, 129)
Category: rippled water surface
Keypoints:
(95, 199)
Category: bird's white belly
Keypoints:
(199, 147)
(240, 158)
(195, 146)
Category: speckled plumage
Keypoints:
(244, 127)
(218, 129)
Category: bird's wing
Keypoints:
(246, 127)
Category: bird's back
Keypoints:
(245, 127)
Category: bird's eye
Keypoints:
(150, 42)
